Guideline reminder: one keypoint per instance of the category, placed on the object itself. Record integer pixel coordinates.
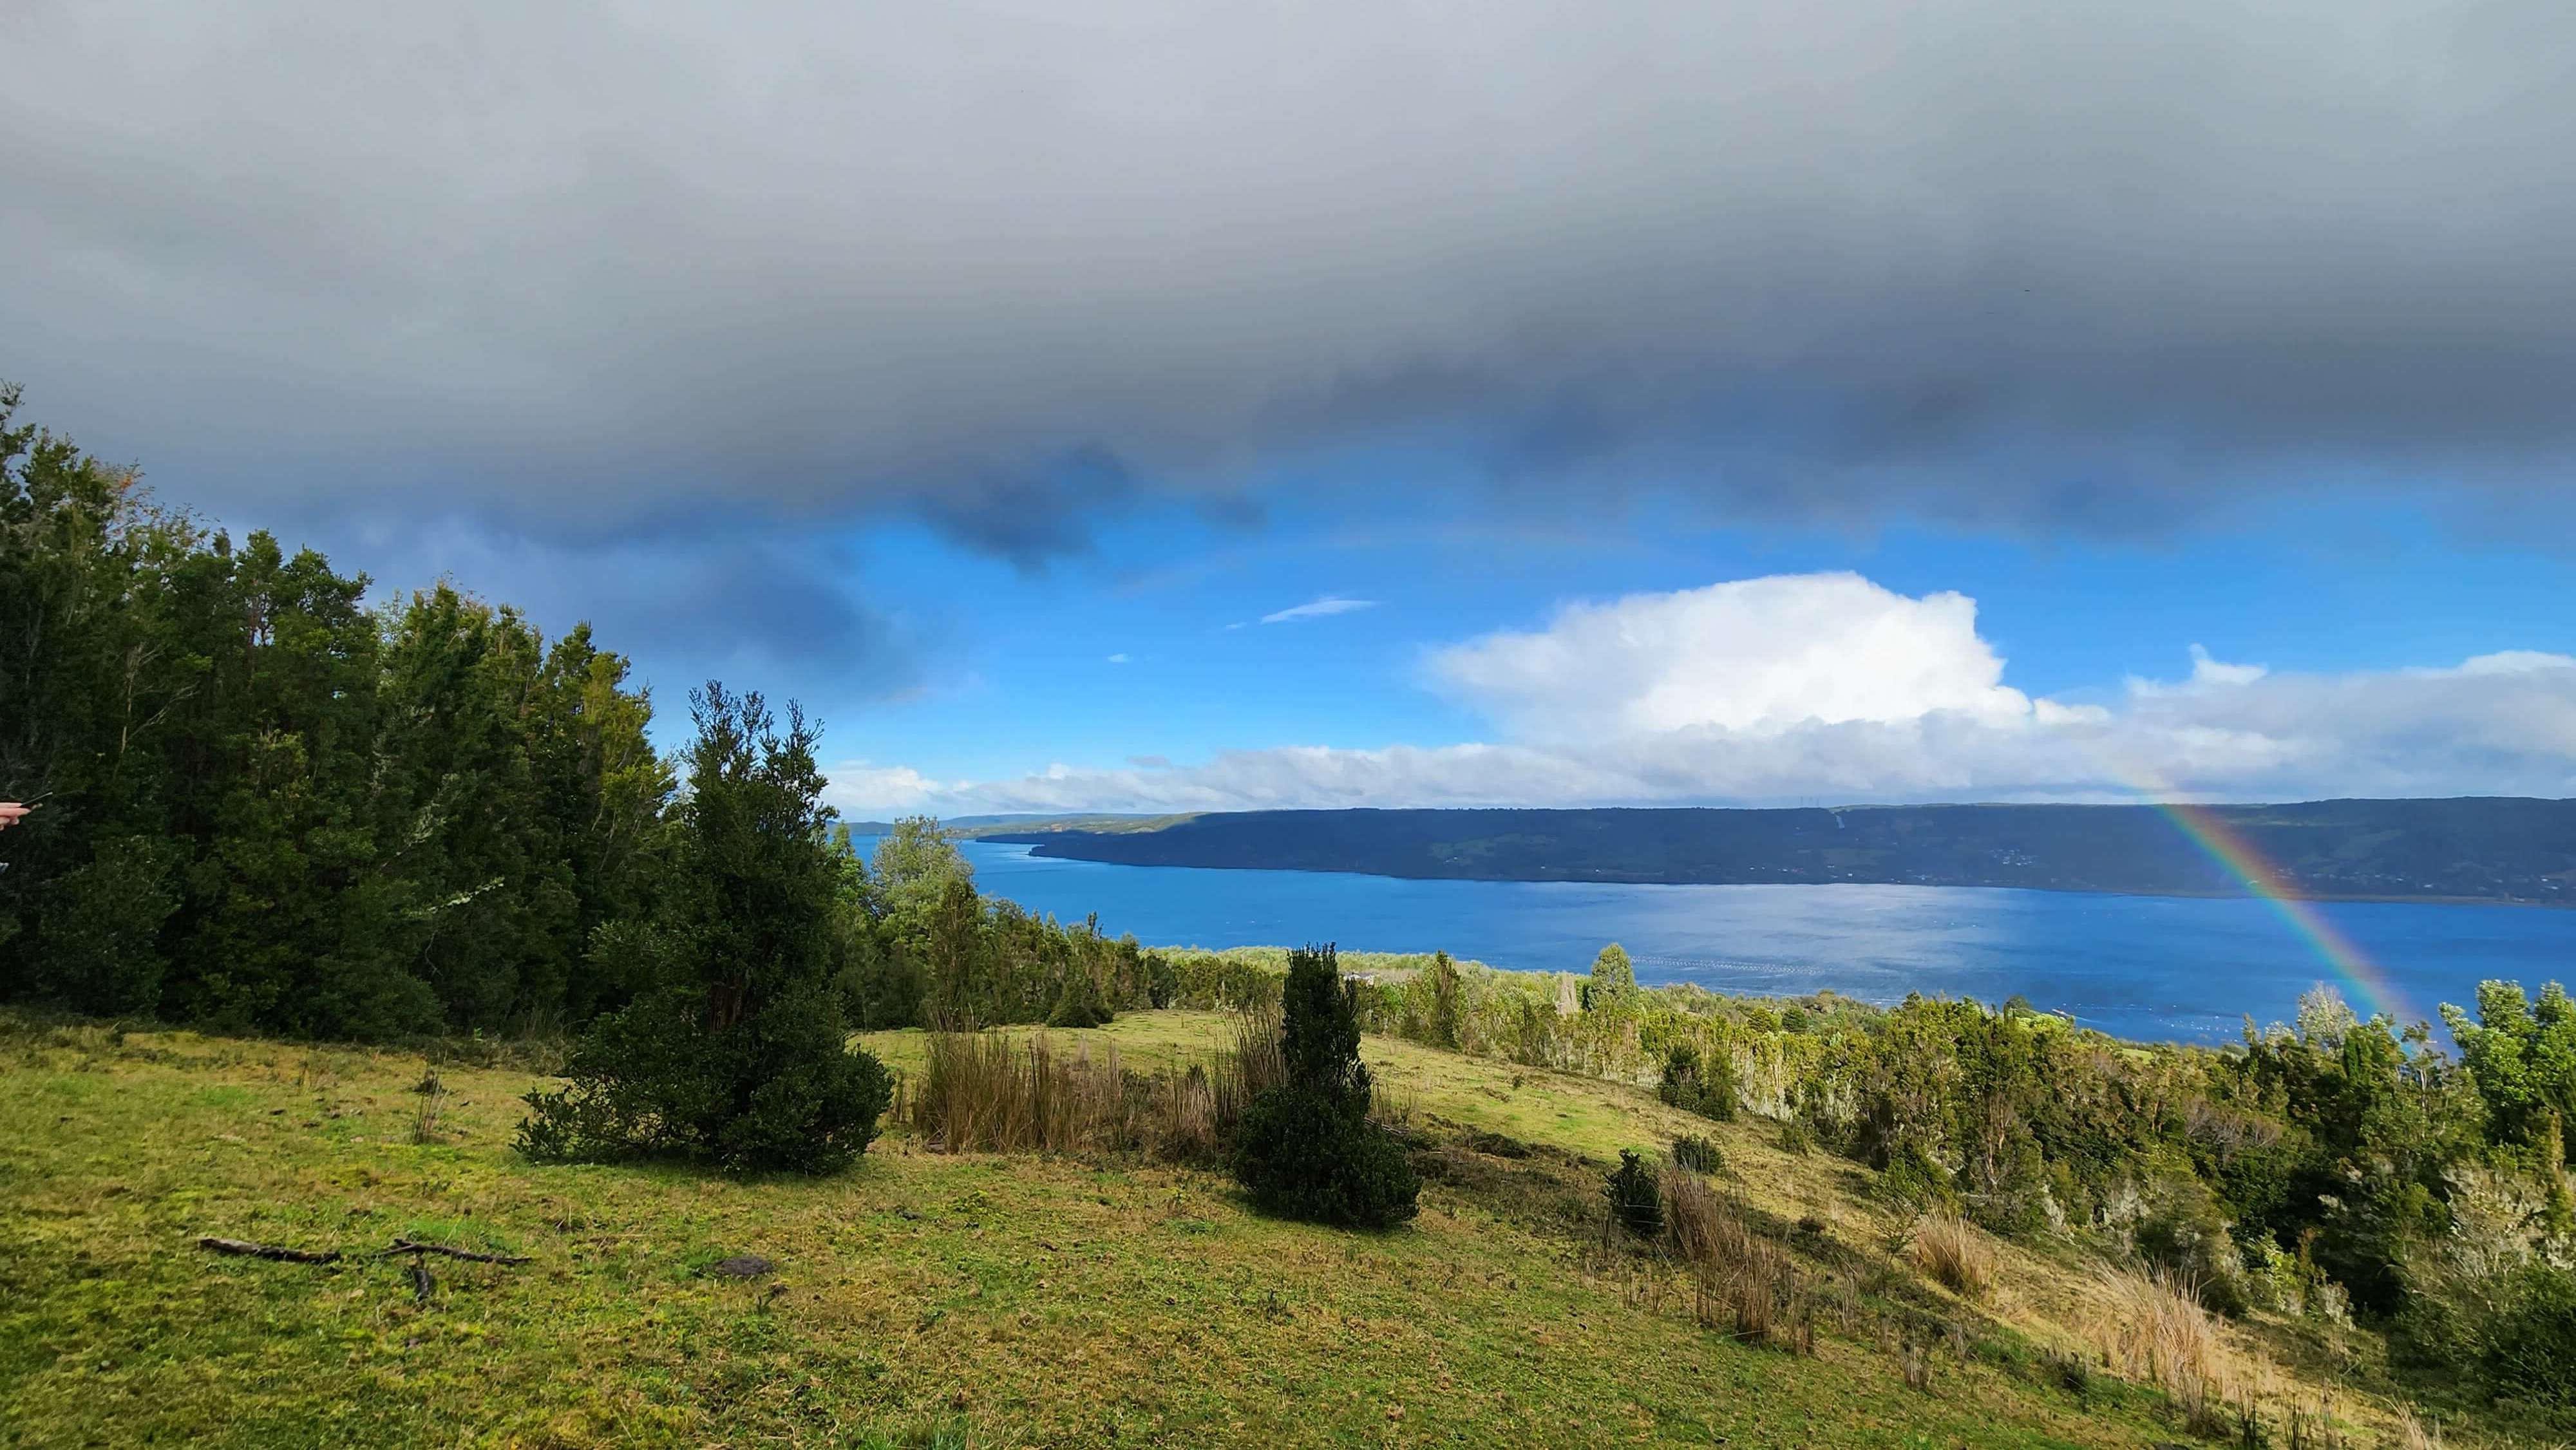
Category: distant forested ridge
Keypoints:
(2473, 848)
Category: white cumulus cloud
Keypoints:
(1752, 655)
(1795, 687)
(858, 789)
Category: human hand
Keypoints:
(11, 812)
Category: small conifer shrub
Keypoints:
(1305, 1148)
(733, 1050)
(1636, 1201)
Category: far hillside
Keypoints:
(2469, 849)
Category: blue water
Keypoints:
(2150, 967)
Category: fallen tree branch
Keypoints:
(407, 1246)
(249, 1250)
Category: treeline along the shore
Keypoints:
(263, 803)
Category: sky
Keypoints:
(1142, 406)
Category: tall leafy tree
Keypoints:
(1614, 980)
(2522, 1056)
(735, 1048)
(267, 805)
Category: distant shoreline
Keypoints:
(2501, 851)
(1044, 848)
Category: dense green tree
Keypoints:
(1613, 985)
(1081, 1002)
(266, 805)
(1697, 1085)
(2522, 1056)
(734, 1049)
(1446, 1017)
(916, 861)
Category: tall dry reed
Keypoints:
(1251, 1066)
(1955, 1255)
(2152, 1328)
(1001, 1092)
(996, 1093)
(1743, 1282)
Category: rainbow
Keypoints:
(2372, 989)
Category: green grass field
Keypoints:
(922, 1298)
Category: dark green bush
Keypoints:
(2184, 1235)
(1698, 1154)
(1082, 1004)
(1302, 1155)
(1636, 1200)
(779, 1091)
(1913, 1180)
(1703, 1087)
(2530, 1345)
(1306, 1148)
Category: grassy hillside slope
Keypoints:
(922, 1298)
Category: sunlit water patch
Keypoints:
(2139, 966)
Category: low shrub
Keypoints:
(1301, 1154)
(1698, 1154)
(779, 1091)
(1636, 1204)
(1795, 1138)
(2530, 1344)
(1082, 1003)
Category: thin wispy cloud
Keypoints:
(1324, 608)
(1118, 659)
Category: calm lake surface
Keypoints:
(2150, 967)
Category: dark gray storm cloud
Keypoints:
(685, 606)
(2024, 263)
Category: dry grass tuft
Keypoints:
(1914, 1362)
(1955, 1255)
(1251, 1065)
(2410, 1433)
(2154, 1330)
(1003, 1092)
(1743, 1282)
(433, 1099)
(995, 1093)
